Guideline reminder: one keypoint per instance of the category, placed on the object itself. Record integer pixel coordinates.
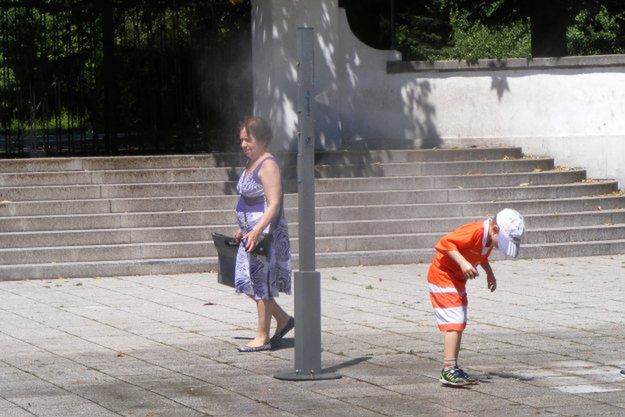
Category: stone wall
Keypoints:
(570, 108)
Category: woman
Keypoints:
(262, 226)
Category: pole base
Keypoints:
(306, 376)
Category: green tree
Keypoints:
(549, 20)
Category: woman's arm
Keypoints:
(269, 175)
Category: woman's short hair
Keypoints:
(257, 127)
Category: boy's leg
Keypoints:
(453, 339)
(451, 373)
(451, 349)
(450, 308)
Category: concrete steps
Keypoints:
(225, 203)
(345, 157)
(324, 244)
(324, 260)
(325, 185)
(350, 229)
(80, 217)
(160, 175)
(378, 212)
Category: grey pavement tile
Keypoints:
(559, 381)
(120, 396)
(367, 390)
(67, 381)
(535, 359)
(168, 412)
(74, 410)
(123, 366)
(339, 411)
(385, 377)
(5, 404)
(28, 387)
(552, 397)
(573, 364)
(124, 342)
(513, 411)
(16, 412)
(403, 406)
(163, 382)
(531, 353)
(242, 379)
(508, 389)
(470, 400)
(308, 403)
(423, 389)
(612, 397)
(587, 410)
(50, 398)
(589, 388)
(221, 402)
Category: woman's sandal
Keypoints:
(254, 348)
(279, 335)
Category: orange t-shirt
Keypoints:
(470, 241)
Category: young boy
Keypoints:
(457, 256)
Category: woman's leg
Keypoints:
(279, 314)
(264, 309)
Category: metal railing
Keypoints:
(107, 77)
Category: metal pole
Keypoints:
(307, 280)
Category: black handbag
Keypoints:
(227, 248)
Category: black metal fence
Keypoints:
(133, 76)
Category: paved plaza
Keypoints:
(549, 341)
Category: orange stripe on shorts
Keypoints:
(448, 299)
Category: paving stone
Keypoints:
(588, 389)
(6, 404)
(340, 411)
(403, 406)
(84, 409)
(15, 412)
(555, 398)
(587, 410)
(367, 390)
(513, 411)
(149, 345)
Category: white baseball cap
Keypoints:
(511, 231)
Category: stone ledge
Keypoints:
(595, 61)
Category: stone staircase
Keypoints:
(89, 217)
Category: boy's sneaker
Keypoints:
(454, 377)
(470, 378)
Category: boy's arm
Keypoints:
(467, 269)
(491, 281)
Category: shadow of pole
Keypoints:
(347, 364)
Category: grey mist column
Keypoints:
(307, 280)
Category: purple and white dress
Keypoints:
(262, 277)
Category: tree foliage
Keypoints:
(556, 26)
(472, 29)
